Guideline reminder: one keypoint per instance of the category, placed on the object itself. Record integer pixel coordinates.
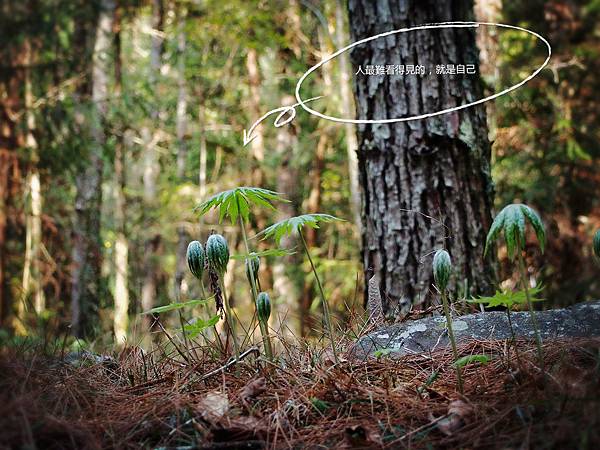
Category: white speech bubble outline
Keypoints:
(421, 27)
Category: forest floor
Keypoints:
(304, 401)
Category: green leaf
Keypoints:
(511, 220)
(174, 306)
(495, 229)
(470, 359)
(270, 252)
(293, 224)
(319, 405)
(199, 325)
(236, 202)
(537, 224)
(508, 298)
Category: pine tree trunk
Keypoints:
(121, 295)
(87, 253)
(438, 166)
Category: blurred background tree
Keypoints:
(163, 130)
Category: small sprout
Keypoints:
(217, 253)
(263, 306)
(196, 258)
(442, 266)
(511, 220)
(471, 359)
(295, 225)
(597, 244)
(252, 268)
(263, 311)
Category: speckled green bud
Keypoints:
(196, 258)
(252, 268)
(217, 253)
(263, 307)
(442, 267)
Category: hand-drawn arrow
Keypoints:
(283, 110)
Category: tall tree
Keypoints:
(181, 131)
(32, 283)
(87, 251)
(150, 137)
(121, 255)
(433, 167)
(347, 109)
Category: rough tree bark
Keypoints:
(87, 251)
(438, 166)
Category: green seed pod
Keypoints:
(196, 258)
(597, 244)
(252, 267)
(217, 253)
(263, 307)
(442, 266)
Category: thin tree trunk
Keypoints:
(32, 283)
(10, 176)
(121, 317)
(488, 45)
(257, 145)
(151, 166)
(313, 203)
(437, 166)
(181, 129)
(202, 177)
(87, 251)
(347, 109)
(286, 305)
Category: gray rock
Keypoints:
(428, 334)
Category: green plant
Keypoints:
(252, 267)
(295, 224)
(471, 359)
(263, 310)
(596, 244)
(235, 204)
(511, 220)
(196, 259)
(217, 255)
(442, 268)
(508, 299)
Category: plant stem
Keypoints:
(263, 330)
(230, 321)
(451, 336)
(323, 299)
(182, 322)
(524, 283)
(512, 332)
